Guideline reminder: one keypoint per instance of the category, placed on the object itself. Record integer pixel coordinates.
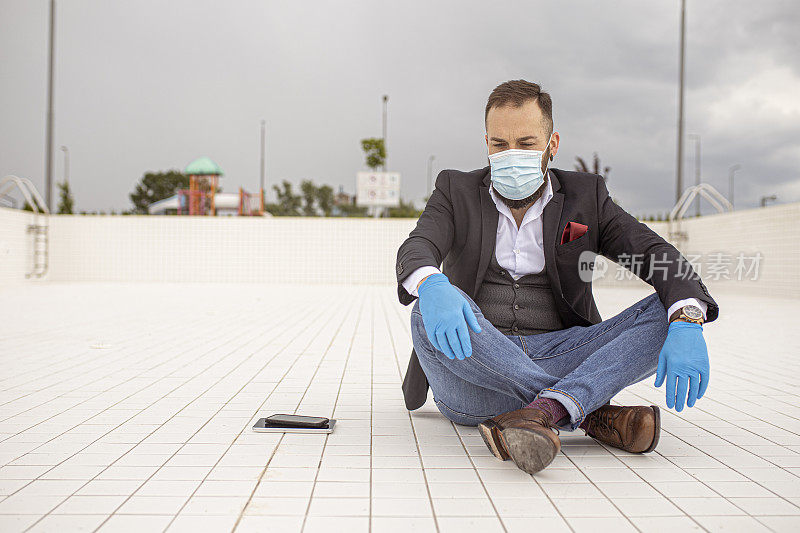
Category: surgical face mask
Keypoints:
(516, 174)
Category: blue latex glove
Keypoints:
(683, 359)
(445, 314)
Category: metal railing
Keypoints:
(41, 219)
(704, 190)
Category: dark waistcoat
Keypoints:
(517, 307)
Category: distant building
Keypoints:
(342, 198)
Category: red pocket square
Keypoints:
(572, 231)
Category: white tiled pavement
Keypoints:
(129, 407)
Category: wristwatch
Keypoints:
(688, 313)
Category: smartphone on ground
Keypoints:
(288, 423)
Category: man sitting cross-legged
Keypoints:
(508, 335)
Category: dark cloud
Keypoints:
(151, 85)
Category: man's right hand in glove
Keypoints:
(445, 315)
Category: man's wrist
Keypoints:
(688, 313)
(423, 279)
(412, 282)
(684, 302)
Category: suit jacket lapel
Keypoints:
(489, 218)
(550, 217)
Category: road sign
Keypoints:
(378, 189)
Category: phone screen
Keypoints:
(296, 420)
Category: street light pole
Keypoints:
(262, 175)
(731, 171)
(679, 177)
(696, 137)
(430, 173)
(49, 142)
(66, 163)
(385, 148)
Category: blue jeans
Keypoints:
(582, 367)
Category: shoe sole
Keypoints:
(657, 414)
(490, 431)
(530, 451)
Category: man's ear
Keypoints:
(554, 145)
(486, 138)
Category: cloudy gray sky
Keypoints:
(150, 85)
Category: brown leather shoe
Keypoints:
(633, 429)
(524, 435)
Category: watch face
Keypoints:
(693, 312)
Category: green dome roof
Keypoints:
(203, 166)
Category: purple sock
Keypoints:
(552, 407)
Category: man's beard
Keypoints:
(524, 202)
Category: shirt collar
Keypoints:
(533, 212)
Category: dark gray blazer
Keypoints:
(459, 227)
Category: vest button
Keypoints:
(515, 328)
(516, 285)
(516, 306)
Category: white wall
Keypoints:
(238, 249)
(767, 231)
(774, 231)
(331, 250)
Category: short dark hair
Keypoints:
(516, 93)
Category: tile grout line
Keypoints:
(683, 469)
(134, 446)
(336, 401)
(121, 358)
(280, 440)
(410, 417)
(81, 423)
(277, 444)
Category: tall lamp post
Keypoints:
(66, 163)
(731, 171)
(679, 165)
(430, 173)
(262, 176)
(696, 138)
(49, 142)
(386, 156)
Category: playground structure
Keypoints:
(251, 204)
(200, 197)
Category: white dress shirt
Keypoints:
(520, 250)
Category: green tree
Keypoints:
(325, 199)
(312, 201)
(309, 191)
(288, 203)
(375, 150)
(404, 210)
(65, 200)
(155, 186)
